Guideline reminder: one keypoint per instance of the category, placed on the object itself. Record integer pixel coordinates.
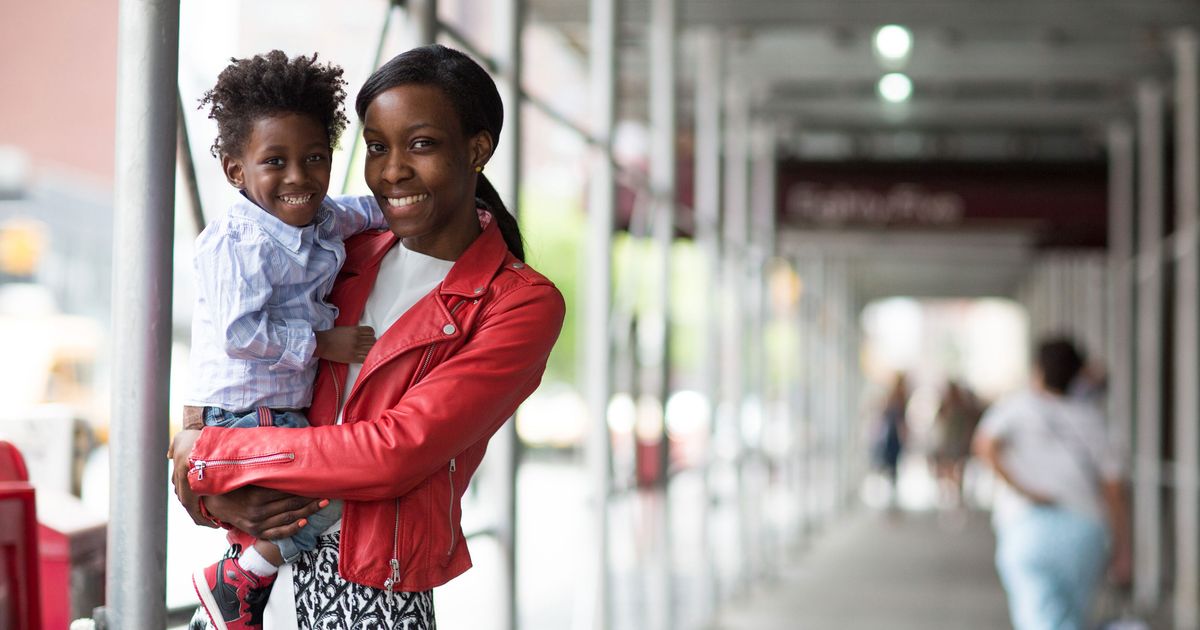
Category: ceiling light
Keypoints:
(895, 87)
(893, 42)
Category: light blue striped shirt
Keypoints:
(261, 286)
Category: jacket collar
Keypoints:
(475, 268)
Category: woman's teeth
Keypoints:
(397, 202)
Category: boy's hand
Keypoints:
(345, 344)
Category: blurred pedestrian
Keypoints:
(891, 434)
(1061, 482)
(953, 425)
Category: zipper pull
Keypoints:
(392, 583)
(198, 466)
(453, 465)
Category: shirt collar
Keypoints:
(289, 236)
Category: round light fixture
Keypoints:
(893, 42)
(895, 87)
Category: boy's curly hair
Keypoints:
(271, 84)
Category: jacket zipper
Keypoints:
(450, 515)
(200, 465)
(337, 394)
(393, 582)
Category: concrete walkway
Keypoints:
(874, 572)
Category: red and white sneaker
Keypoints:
(233, 597)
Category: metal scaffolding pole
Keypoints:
(506, 446)
(147, 72)
(1147, 502)
(734, 228)
(422, 23)
(707, 195)
(597, 349)
(762, 235)
(663, 33)
(1121, 294)
(1187, 342)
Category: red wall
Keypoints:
(58, 60)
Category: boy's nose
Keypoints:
(295, 174)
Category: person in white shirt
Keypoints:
(1060, 511)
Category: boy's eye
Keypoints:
(375, 147)
(316, 157)
(273, 161)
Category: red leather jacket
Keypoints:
(434, 388)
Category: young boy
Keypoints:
(262, 273)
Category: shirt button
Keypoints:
(478, 290)
(449, 329)
(518, 265)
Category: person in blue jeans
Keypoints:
(263, 271)
(1060, 512)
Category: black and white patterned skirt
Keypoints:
(325, 601)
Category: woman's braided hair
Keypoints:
(268, 85)
(475, 98)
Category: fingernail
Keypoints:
(323, 503)
(303, 522)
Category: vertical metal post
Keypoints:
(422, 23)
(762, 234)
(707, 200)
(597, 351)
(1147, 502)
(801, 376)
(506, 156)
(147, 75)
(1121, 295)
(735, 226)
(1187, 342)
(663, 33)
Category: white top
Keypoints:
(260, 294)
(404, 278)
(1054, 446)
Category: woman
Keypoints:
(1062, 482)
(468, 328)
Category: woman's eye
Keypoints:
(422, 143)
(316, 157)
(374, 147)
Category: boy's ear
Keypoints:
(481, 149)
(233, 171)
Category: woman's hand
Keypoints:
(178, 453)
(261, 512)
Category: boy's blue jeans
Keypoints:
(1049, 561)
(306, 538)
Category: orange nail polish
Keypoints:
(303, 522)
(323, 503)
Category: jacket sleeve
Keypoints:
(461, 401)
(356, 213)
